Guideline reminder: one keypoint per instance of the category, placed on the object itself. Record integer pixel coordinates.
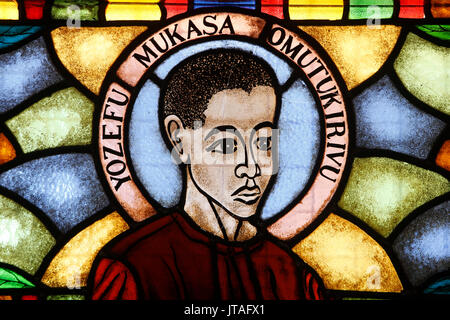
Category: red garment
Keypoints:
(171, 258)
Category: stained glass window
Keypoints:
(238, 149)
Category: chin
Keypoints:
(244, 211)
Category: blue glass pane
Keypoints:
(25, 72)
(387, 120)
(423, 246)
(65, 187)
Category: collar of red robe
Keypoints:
(195, 233)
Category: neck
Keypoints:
(213, 218)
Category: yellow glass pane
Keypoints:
(317, 2)
(347, 258)
(316, 9)
(70, 267)
(358, 51)
(9, 10)
(92, 51)
(122, 11)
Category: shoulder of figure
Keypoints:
(275, 248)
(275, 255)
(281, 255)
(283, 258)
(156, 230)
(113, 280)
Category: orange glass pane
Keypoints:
(440, 8)
(7, 152)
(443, 157)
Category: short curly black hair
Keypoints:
(192, 84)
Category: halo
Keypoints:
(304, 186)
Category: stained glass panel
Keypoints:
(214, 150)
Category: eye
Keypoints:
(264, 143)
(225, 146)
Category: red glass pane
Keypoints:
(34, 9)
(273, 7)
(174, 7)
(411, 9)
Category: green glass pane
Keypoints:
(382, 191)
(66, 297)
(371, 3)
(24, 240)
(368, 9)
(438, 31)
(12, 280)
(82, 9)
(63, 119)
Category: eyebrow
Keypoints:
(222, 129)
(264, 125)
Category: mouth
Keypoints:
(247, 195)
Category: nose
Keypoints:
(249, 168)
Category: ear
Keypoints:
(177, 136)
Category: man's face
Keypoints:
(232, 155)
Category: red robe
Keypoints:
(173, 259)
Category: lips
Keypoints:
(247, 195)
